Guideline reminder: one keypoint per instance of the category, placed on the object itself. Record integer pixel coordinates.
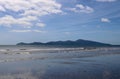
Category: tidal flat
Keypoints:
(33, 62)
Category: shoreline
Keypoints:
(12, 55)
(59, 63)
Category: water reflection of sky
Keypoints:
(64, 65)
(102, 67)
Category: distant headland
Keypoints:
(77, 43)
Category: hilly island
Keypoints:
(69, 43)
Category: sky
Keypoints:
(53, 20)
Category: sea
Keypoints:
(45, 62)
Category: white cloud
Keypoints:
(79, 8)
(106, 0)
(40, 24)
(20, 31)
(39, 31)
(28, 11)
(67, 33)
(105, 20)
(23, 31)
(8, 20)
(2, 9)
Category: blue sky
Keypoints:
(51, 20)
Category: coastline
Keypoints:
(59, 63)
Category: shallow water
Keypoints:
(56, 64)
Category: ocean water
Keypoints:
(36, 62)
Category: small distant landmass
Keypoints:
(77, 43)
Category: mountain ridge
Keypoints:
(76, 43)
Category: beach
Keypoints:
(33, 62)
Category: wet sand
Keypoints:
(77, 64)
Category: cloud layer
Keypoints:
(79, 8)
(106, 0)
(23, 31)
(105, 20)
(26, 11)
